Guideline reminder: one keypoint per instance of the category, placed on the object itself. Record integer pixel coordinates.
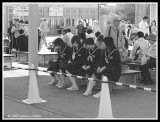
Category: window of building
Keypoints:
(72, 22)
(68, 22)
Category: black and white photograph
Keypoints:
(79, 60)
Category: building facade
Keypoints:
(58, 14)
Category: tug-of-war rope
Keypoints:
(85, 78)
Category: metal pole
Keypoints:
(98, 13)
(33, 35)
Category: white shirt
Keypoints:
(152, 50)
(44, 26)
(144, 45)
(142, 27)
(91, 35)
(70, 35)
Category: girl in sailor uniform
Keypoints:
(76, 61)
(92, 59)
(109, 66)
(64, 54)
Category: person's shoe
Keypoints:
(98, 95)
(62, 85)
(52, 83)
(58, 84)
(72, 88)
(87, 93)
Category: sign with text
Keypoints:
(56, 11)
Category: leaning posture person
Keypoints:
(77, 61)
(64, 53)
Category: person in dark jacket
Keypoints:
(77, 61)
(93, 54)
(110, 64)
(64, 53)
(22, 41)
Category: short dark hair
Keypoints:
(16, 19)
(145, 17)
(20, 21)
(97, 33)
(59, 42)
(64, 30)
(89, 41)
(100, 38)
(153, 21)
(59, 31)
(89, 30)
(140, 34)
(21, 31)
(109, 42)
(129, 26)
(77, 40)
(68, 30)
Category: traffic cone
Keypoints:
(105, 108)
(33, 93)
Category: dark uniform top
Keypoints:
(77, 61)
(64, 55)
(92, 59)
(112, 62)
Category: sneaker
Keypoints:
(52, 83)
(98, 95)
(58, 84)
(87, 93)
(62, 85)
(72, 88)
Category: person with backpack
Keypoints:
(116, 33)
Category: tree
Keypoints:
(126, 13)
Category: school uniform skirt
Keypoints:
(55, 66)
(76, 71)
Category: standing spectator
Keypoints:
(93, 55)
(116, 33)
(96, 27)
(26, 28)
(39, 39)
(70, 34)
(22, 41)
(79, 28)
(82, 37)
(151, 63)
(66, 37)
(44, 29)
(140, 47)
(77, 61)
(143, 26)
(128, 30)
(9, 30)
(15, 33)
(20, 25)
(153, 28)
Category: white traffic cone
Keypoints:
(105, 108)
(33, 93)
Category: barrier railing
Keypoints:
(85, 78)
